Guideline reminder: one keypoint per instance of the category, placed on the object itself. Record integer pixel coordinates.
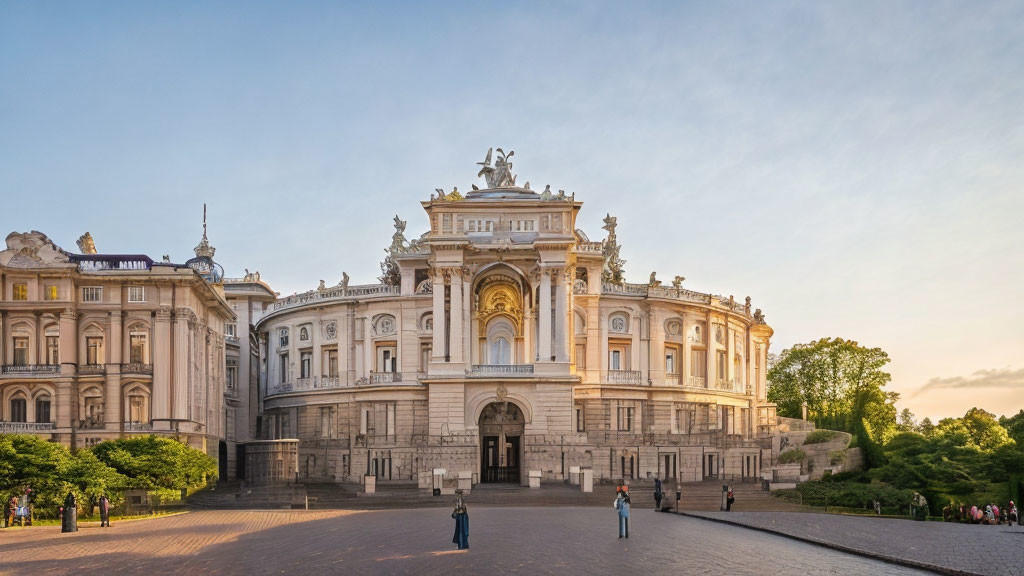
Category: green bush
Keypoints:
(820, 436)
(836, 457)
(792, 456)
(854, 494)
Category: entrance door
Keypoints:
(494, 467)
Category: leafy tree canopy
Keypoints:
(156, 463)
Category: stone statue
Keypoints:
(546, 194)
(746, 307)
(344, 280)
(610, 222)
(561, 195)
(677, 282)
(500, 175)
(167, 258)
(654, 280)
(322, 286)
(257, 275)
(398, 241)
(758, 316)
(86, 245)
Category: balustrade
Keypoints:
(136, 368)
(30, 369)
(138, 426)
(501, 370)
(385, 377)
(92, 369)
(625, 377)
(698, 382)
(25, 427)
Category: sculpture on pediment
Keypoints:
(398, 241)
(31, 249)
(746, 306)
(677, 282)
(759, 316)
(500, 175)
(612, 272)
(322, 286)
(86, 244)
(344, 280)
(654, 282)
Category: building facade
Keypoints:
(504, 341)
(96, 346)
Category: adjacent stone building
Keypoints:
(95, 346)
(503, 341)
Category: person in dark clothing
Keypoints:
(69, 514)
(622, 505)
(104, 511)
(7, 513)
(729, 499)
(461, 516)
(658, 495)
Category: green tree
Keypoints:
(92, 478)
(156, 463)
(1014, 427)
(840, 381)
(907, 422)
(27, 461)
(926, 427)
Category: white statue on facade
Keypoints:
(500, 175)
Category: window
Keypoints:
(18, 411)
(616, 360)
(698, 333)
(136, 409)
(21, 351)
(581, 356)
(446, 223)
(305, 364)
(625, 418)
(20, 292)
(580, 424)
(325, 422)
(92, 293)
(387, 358)
(43, 409)
(52, 350)
(720, 365)
(137, 353)
(698, 363)
(671, 360)
(283, 342)
(51, 292)
(136, 294)
(425, 351)
(229, 329)
(330, 366)
(284, 368)
(501, 351)
(93, 350)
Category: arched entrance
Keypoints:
(501, 442)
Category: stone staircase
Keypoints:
(697, 496)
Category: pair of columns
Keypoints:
(551, 345)
(448, 343)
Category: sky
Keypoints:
(854, 167)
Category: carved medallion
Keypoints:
(331, 330)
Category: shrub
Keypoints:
(836, 457)
(792, 456)
(820, 436)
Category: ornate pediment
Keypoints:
(32, 250)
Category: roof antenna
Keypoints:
(204, 219)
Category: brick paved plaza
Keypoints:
(503, 541)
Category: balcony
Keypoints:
(137, 368)
(328, 382)
(697, 382)
(385, 377)
(25, 427)
(88, 369)
(672, 379)
(730, 385)
(512, 370)
(30, 369)
(631, 377)
(138, 426)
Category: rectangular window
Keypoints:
(93, 350)
(20, 292)
(137, 352)
(446, 223)
(720, 365)
(580, 424)
(325, 422)
(52, 350)
(231, 377)
(671, 363)
(616, 360)
(229, 329)
(698, 363)
(330, 367)
(305, 364)
(581, 357)
(472, 226)
(284, 368)
(387, 358)
(136, 294)
(51, 292)
(21, 351)
(92, 293)
(625, 418)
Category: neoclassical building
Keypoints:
(502, 341)
(96, 346)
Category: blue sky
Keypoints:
(855, 167)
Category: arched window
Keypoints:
(501, 351)
(18, 410)
(43, 409)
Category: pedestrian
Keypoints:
(729, 499)
(622, 505)
(461, 516)
(104, 511)
(657, 494)
(1011, 514)
(7, 513)
(69, 514)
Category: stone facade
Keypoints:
(95, 346)
(502, 341)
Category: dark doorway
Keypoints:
(500, 463)
(222, 460)
(240, 461)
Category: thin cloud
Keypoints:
(996, 378)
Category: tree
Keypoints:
(926, 427)
(156, 463)
(907, 423)
(840, 380)
(92, 478)
(1014, 427)
(27, 461)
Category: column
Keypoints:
(180, 388)
(68, 358)
(162, 359)
(686, 367)
(709, 349)
(467, 324)
(437, 351)
(456, 347)
(544, 318)
(112, 394)
(40, 342)
(368, 351)
(730, 352)
(561, 305)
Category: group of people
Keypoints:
(989, 514)
(18, 512)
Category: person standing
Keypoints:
(658, 495)
(461, 516)
(69, 514)
(622, 505)
(729, 499)
(7, 513)
(104, 511)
